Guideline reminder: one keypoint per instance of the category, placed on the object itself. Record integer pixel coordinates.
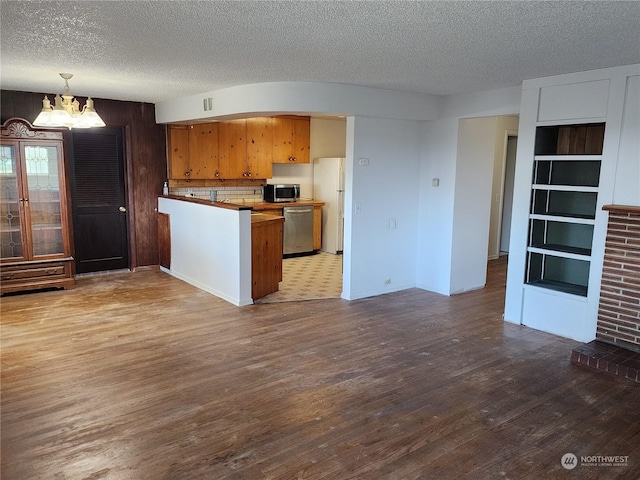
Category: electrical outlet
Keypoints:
(363, 162)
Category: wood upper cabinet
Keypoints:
(203, 151)
(260, 147)
(291, 138)
(178, 152)
(236, 149)
(193, 152)
(232, 149)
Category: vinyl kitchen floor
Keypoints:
(308, 278)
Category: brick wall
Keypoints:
(619, 310)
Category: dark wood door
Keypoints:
(98, 199)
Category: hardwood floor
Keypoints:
(142, 376)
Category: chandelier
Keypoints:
(67, 112)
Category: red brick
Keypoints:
(574, 357)
(623, 336)
(631, 293)
(629, 331)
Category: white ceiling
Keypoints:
(153, 51)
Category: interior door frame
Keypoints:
(128, 194)
(507, 134)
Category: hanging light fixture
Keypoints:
(66, 112)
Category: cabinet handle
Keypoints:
(292, 159)
(248, 174)
(217, 174)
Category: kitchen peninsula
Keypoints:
(222, 248)
(231, 250)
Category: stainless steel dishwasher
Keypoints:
(298, 230)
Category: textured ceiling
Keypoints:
(152, 51)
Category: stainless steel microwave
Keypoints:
(284, 192)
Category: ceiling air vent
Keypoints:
(208, 104)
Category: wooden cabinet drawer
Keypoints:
(37, 275)
(273, 211)
(21, 273)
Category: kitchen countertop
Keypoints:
(257, 206)
(271, 206)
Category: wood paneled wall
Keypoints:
(145, 161)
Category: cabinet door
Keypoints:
(46, 210)
(232, 149)
(179, 168)
(317, 228)
(259, 147)
(282, 140)
(13, 233)
(301, 134)
(203, 151)
(291, 140)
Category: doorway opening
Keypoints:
(507, 193)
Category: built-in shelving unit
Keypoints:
(564, 195)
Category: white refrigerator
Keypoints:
(328, 187)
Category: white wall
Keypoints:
(627, 182)
(472, 204)
(211, 248)
(328, 139)
(306, 98)
(437, 224)
(386, 189)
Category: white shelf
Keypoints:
(559, 218)
(570, 121)
(564, 188)
(566, 290)
(568, 158)
(559, 253)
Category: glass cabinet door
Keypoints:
(42, 165)
(12, 241)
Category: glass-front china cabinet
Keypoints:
(35, 250)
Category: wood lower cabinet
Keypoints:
(164, 240)
(317, 228)
(35, 248)
(266, 255)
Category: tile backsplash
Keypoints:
(224, 194)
